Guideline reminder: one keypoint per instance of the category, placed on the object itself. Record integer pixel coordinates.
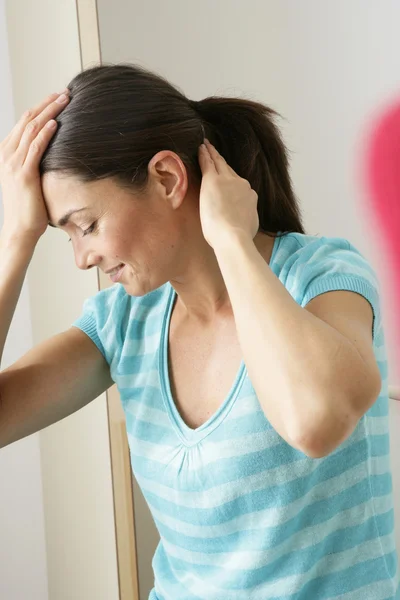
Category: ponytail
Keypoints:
(246, 134)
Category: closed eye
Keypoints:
(88, 230)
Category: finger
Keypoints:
(11, 142)
(219, 160)
(39, 145)
(34, 127)
(206, 163)
(15, 135)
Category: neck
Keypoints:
(200, 286)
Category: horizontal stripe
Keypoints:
(148, 314)
(265, 539)
(213, 451)
(380, 590)
(138, 381)
(297, 482)
(246, 404)
(253, 502)
(352, 578)
(139, 347)
(380, 408)
(147, 431)
(377, 425)
(287, 564)
(367, 565)
(226, 472)
(269, 517)
(154, 416)
(131, 366)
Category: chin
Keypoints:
(139, 289)
(134, 290)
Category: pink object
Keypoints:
(383, 184)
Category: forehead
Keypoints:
(65, 193)
(58, 189)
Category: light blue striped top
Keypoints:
(241, 514)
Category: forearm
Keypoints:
(302, 369)
(15, 256)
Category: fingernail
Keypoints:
(62, 99)
(64, 91)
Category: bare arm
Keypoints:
(14, 260)
(66, 372)
(52, 381)
(322, 365)
(25, 214)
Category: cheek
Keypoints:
(142, 240)
(125, 246)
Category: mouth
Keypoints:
(116, 272)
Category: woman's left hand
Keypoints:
(228, 204)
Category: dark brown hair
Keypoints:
(120, 116)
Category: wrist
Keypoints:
(18, 242)
(232, 239)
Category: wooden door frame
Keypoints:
(90, 52)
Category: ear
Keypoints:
(168, 173)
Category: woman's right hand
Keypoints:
(25, 214)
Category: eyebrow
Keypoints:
(64, 220)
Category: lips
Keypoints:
(115, 274)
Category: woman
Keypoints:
(249, 356)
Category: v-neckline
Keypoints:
(188, 435)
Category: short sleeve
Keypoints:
(331, 264)
(90, 319)
(102, 319)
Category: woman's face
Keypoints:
(135, 238)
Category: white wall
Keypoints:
(323, 65)
(82, 564)
(22, 537)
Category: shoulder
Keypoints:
(108, 315)
(301, 259)
(298, 248)
(311, 265)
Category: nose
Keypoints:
(86, 259)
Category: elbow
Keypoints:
(318, 450)
(322, 442)
(314, 446)
(321, 437)
(336, 420)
